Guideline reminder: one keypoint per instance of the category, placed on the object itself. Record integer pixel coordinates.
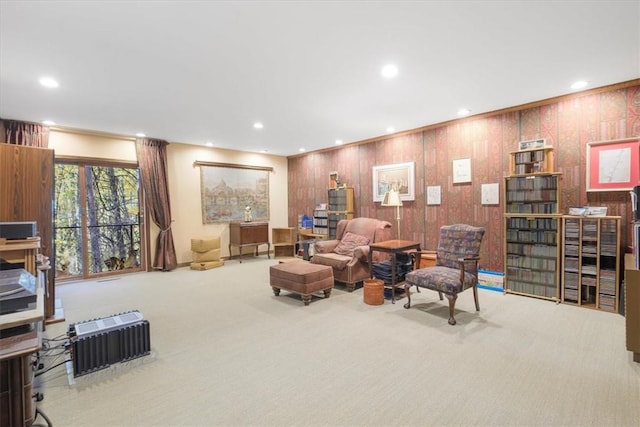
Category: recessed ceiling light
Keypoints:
(338, 142)
(463, 112)
(209, 144)
(391, 129)
(389, 71)
(48, 82)
(581, 84)
(264, 151)
(140, 135)
(258, 125)
(48, 122)
(302, 150)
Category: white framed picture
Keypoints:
(461, 171)
(490, 194)
(433, 195)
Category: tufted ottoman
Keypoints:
(302, 278)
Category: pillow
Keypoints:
(349, 243)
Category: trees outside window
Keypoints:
(97, 220)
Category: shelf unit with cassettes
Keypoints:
(340, 207)
(532, 222)
(591, 253)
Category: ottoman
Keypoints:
(301, 278)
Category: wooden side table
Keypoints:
(393, 247)
(251, 233)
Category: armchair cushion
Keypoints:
(350, 241)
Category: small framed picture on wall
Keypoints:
(461, 171)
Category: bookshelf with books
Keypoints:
(320, 219)
(340, 207)
(532, 222)
(591, 273)
(531, 161)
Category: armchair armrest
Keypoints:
(361, 253)
(325, 246)
(462, 262)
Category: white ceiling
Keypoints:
(198, 71)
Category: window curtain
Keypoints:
(23, 133)
(152, 159)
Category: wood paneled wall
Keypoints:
(26, 194)
(568, 123)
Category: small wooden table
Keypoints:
(393, 247)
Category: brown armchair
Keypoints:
(348, 253)
(456, 266)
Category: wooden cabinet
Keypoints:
(591, 249)
(17, 405)
(243, 234)
(283, 241)
(23, 252)
(340, 207)
(26, 179)
(532, 223)
(632, 306)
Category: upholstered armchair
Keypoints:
(348, 253)
(456, 266)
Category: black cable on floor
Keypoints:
(37, 374)
(47, 420)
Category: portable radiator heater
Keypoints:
(96, 344)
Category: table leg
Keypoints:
(393, 277)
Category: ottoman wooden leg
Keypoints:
(306, 299)
(276, 291)
(327, 293)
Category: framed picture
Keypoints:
(461, 171)
(227, 190)
(613, 165)
(433, 195)
(400, 176)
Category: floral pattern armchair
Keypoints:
(348, 253)
(456, 266)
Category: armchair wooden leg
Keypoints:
(452, 304)
(475, 297)
(407, 287)
(440, 294)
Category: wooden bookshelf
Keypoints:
(283, 241)
(532, 224)
(532, 161)
(591, 253)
